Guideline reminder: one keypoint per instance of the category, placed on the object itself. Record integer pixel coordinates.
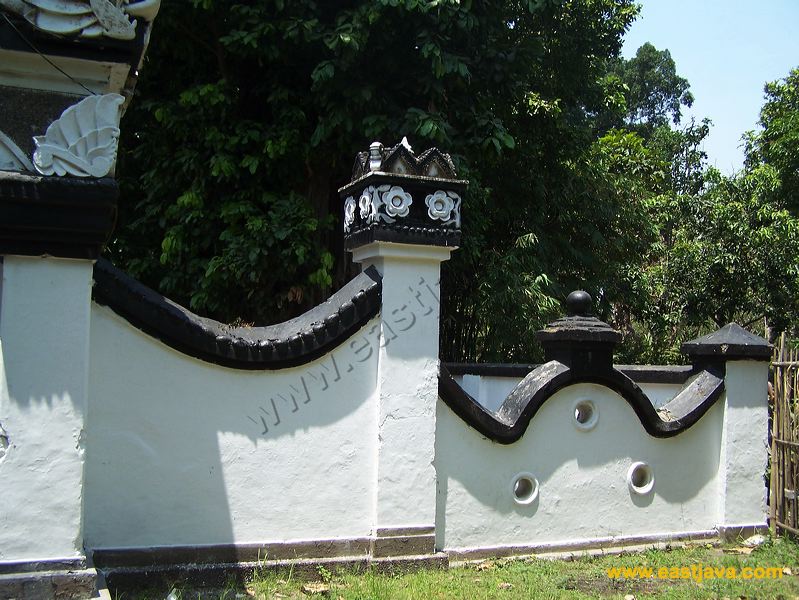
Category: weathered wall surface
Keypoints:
(582, 476)
(744, 446)
(44, 315)
(186, 452)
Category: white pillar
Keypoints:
(744, 448)
(44, 332)
(405, 491)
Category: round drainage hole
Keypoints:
(525, 488)
(641, 478)
(586, 415)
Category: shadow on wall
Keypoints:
(582, 475)
(178, 446)
(188, 452)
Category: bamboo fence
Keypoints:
(784, 476)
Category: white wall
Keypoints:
(407, 382)
(44, 323)
(583, 491)
(177, 452)
(742, 493)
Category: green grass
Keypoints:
(540, 579)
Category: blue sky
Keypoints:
(727, 50)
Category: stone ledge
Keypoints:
(50, 585)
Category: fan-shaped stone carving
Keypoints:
(83, 142)
(11, 157)
(85, 18)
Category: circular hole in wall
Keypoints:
(524, 488)
(586, 415)
(641, 478)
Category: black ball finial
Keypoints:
(578, 304)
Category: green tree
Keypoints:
(777, 144)
(727, 246)
(654, 93)
(250, 115)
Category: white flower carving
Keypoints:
(365, 204)
(349, 213)
(439, 205)
(397, 202)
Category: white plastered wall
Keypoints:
(742, 490)
(582, 476)
(405, 494)
(184, 452)
(44, 323)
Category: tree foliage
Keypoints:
(777, 144)
(581, 175)
(727, 246)
(250, 115)
(654, 93)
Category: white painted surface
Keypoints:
(12, 158)
(44, 325)
(178, 452)
(83, 141)
(583, 492)
(405, 492)
(28, 70)
(491, 391)
(744, 450)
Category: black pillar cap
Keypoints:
(398, 196)
(731, 342)
(579, 340)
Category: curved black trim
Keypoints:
(67, 217)
(669, 374)
(287, 344)
(510, 422)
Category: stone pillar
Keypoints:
(51, 231)
(402, 215)
(59, 130)
(744, 435)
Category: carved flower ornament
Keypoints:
(83, 141)
(441, 205)
(349, 213)
(397, 202)
(365, 204)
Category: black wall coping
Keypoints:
(294, 342)
(669, 374)
(510, 421)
